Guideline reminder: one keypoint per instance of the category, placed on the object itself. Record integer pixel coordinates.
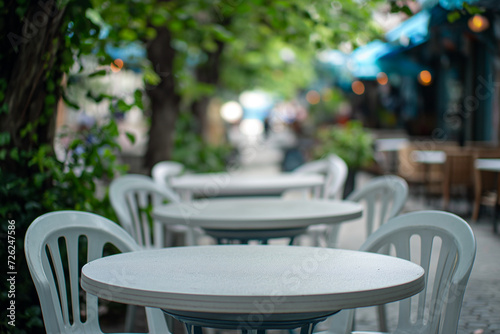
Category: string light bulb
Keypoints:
(478, 23)
(425, 78)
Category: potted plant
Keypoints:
(351, 142)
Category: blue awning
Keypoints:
(447, 4)
(364, 61)
(367, 61)
(412, 32)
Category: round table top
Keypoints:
(492, 165)
(429, 157)
(391, 144)
(220, 184)
(257, 213)
(225, 282)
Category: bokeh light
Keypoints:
(313, 97)
(116, 65)
(478, 23)
(425, 78)
(358, 87)
(251, 127)
(382, 78)
(231, 112)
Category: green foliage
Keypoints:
(77, 183)
(350, 141)
(466, 10)
(196, 154)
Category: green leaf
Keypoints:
(14, 154)
(26, 129)
(94, 16)
(99, 97)
(453, 16)
(128, 34)
(130, 137)
(3, 154)
(98, 74)
(221, 33)
(4, 138)
(123, 106)
(138, 99)
(69, 103)
(50, 100)
(157, 19)
(405, 9)
(471, 9)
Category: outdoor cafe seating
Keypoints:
(232, 297)
(453, 174)
(373, 279)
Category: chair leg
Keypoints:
(477, 198)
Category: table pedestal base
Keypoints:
(251, 323)
(244, 236)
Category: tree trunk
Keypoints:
(32, 74)
(207, 73)
(164, 100)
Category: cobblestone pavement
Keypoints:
(481, 308)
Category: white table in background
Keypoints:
(256, 218)
(429, 157)
(490, 165)
(252, 287)
(226, 184)
(390, 147)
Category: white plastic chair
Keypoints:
(444, 245)
(163, 170)
(384, 198)
(131, 196)
(333, 168)
(52, 253)
(336, 175)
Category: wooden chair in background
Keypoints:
(486, 183)
(457, 173)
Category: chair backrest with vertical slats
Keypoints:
(384, 197)
(53, 245)
(337, 171)
(444, 245)
(132, 197)
(333, 168)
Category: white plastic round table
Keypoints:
(257, 218)
(226, 184)
(252, 286)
